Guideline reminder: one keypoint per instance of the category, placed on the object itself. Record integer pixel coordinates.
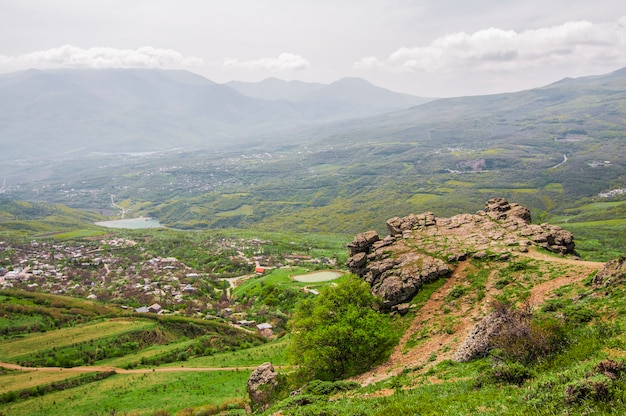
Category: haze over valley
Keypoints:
(312, 208)
(194, 154)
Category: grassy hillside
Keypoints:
(583, 372)
(290, 205)
(112, 361)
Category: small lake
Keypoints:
(131, 223)
(317, 277)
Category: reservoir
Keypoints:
(131, 223)
(316, 277)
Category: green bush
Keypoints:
(511, 373)
(325, 388)
(579, 314)
(456, 292)
(339, 333)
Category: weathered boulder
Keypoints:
(478, 342)
(613, 272)
(497, 208)
(261, 386)
(550, 237)
(357, 261)
(395, 273)
(402, 308)
(398, 226)
(362, 243)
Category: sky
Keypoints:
(429, 48)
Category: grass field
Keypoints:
(283, 276)
(148, 352)
(273, 352)
(172, 387)
(28, 379)
(601, 240)
(141, 394)
(12, 349)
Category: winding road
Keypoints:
(562, 163)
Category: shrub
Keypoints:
(206, 410)
(511, 373)
(610, 368)
(456, 292)
(301, 400)
(596, 389)
(501, 283)
(325, 388)
(579, 314)
(525, 338)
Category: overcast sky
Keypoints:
(436, 48)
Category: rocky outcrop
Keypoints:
(394, 272)
(421, 248)
(397, 226)
(261, 385)
(612, 273)
(363, 242)
(478, 342)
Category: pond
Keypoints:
(132, 223)
(315, 277)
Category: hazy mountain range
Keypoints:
(554, 149)
(50, 112)
(54, 112)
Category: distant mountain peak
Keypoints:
(353, 81)
(61, 111)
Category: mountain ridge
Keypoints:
(59, 111)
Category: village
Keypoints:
(118, 271)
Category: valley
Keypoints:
(345, 241)
(447, 155)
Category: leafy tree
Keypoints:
(339, 333)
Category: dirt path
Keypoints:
(538, 255)
(404, 357)
(89, 369)
(439, 345)
(583, 269)
(233, 282)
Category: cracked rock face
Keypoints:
(612, 273)
(261, 385)
(421, 248)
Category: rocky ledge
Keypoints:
(421, 248)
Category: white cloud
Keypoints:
(494, 49)
(69, 56)
(284, 62)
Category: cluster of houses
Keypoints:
(612, 193)
(96, 271)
